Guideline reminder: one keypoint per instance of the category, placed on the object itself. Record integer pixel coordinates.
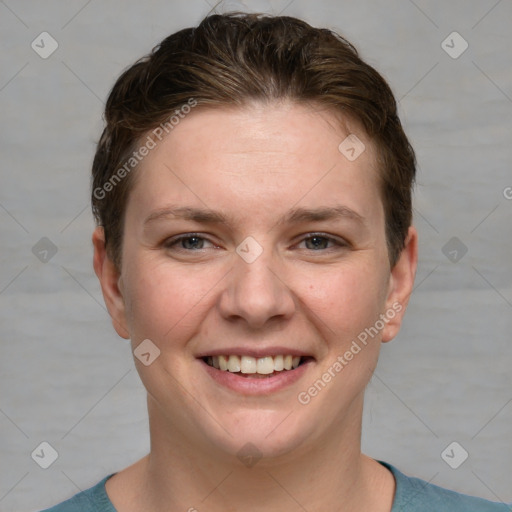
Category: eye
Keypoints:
(187, 242)
(321, 242)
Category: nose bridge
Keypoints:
(255, 291)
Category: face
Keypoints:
(252, 243)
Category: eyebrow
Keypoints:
(294, 216)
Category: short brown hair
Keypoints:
(230, 60)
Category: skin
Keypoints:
(254, 165)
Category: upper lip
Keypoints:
(254, 352)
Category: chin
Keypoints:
(258, 433)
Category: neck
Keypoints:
(324, 473)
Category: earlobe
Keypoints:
(110, 279)
(400, 286)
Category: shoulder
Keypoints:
(94, 499)
(416, 495)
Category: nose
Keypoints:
(256, 294)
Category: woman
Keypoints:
(252, 189)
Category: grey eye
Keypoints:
(317, 242)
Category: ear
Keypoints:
(401, 283)
(109, 277)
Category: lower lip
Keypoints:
(255, 385)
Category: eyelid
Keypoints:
(321, 234)
(174, 240)
(340, 242)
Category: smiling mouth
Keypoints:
(255, 367)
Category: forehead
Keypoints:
(266, 156)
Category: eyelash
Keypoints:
(338, 243)
(172, 242)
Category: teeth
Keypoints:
(223, 363)
(234, 364)
(251, 365)
(248, 365)
(265, 365)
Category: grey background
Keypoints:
(66, 378)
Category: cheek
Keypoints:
(165, 302)
(348, 299)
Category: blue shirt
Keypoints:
(411, 495)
